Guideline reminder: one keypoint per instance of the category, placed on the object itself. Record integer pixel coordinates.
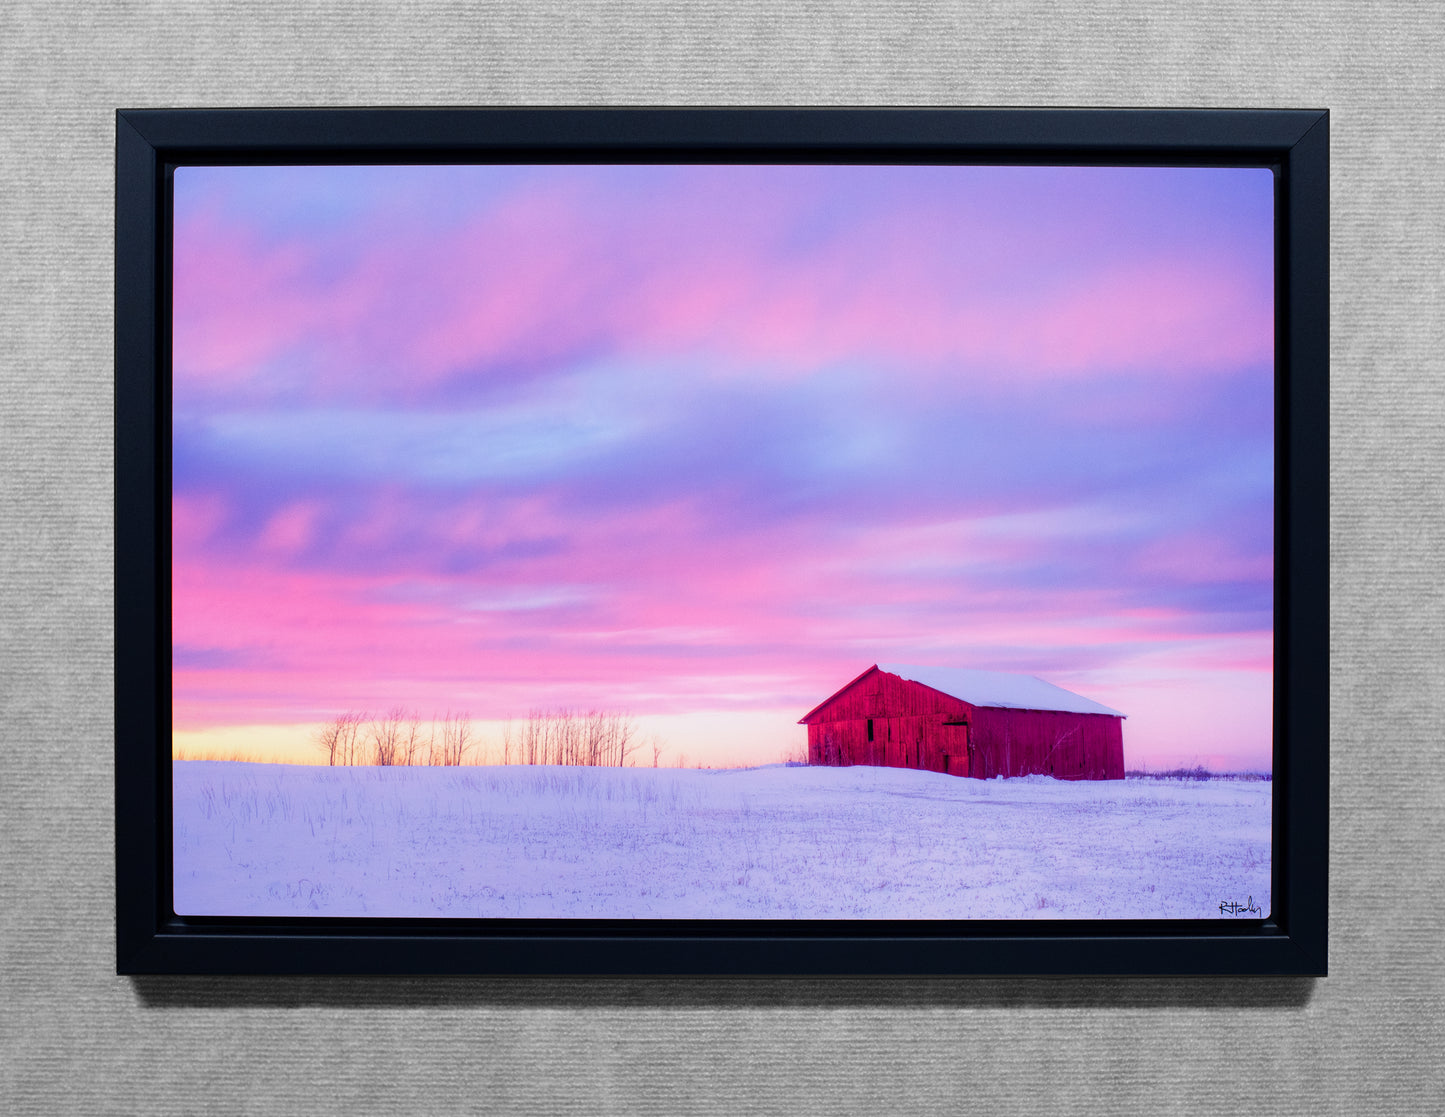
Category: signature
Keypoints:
(1234, 907)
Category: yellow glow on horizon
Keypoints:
(716, 739)
(264, 744)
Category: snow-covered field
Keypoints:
(775, 842)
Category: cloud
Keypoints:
(731, 264)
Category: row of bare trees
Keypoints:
(595, 739)
(396, 737)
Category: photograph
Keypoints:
(722, 541)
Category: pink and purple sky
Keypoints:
(702, 443)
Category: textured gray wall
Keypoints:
(73, 1037)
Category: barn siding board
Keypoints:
(915, 726)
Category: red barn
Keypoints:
(966, 723)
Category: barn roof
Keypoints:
(999, 688)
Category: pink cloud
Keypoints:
(194, 519)
(292, 529)
(1202, 558)
(1159, 313)
(537, 275)
(239, 302)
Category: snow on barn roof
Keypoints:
(999, 688)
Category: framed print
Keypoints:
(721, 541)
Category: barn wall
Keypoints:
(921, 741)
(908, 726)
(1065, 745)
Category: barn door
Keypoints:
(965, 763)
(957, 749)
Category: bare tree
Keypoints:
(411, 739)
(656, 742)
(456, 739)
(625, 740)
(437, 746)
(528, 746)
(385, 732)
(462, 738)
(328, 738)
(348, 746)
